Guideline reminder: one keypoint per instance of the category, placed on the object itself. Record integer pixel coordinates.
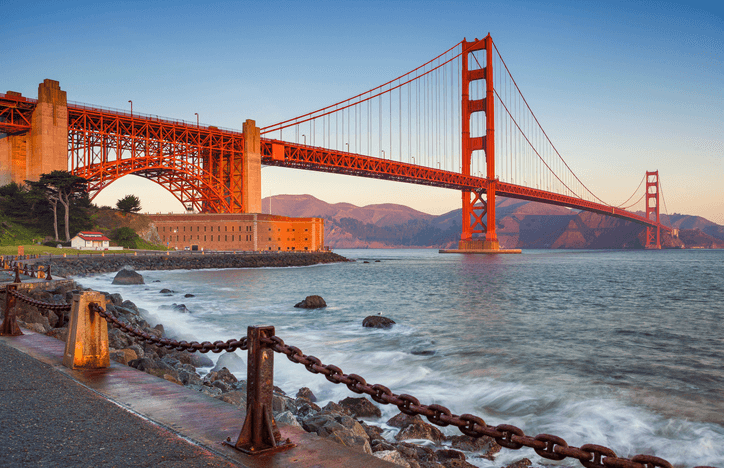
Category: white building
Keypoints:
(90, 240)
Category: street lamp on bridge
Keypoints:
(131, 107)
(197, 120)
(304, 140)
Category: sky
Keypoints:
(621, 87)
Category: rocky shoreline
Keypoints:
(89, 265)
(352, 421)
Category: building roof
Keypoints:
(92, 236)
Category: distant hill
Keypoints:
(520, 224)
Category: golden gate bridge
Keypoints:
(458, 121)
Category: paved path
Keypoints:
(48, 419)
(120, 417)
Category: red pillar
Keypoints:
(478, 204)
(653, 235)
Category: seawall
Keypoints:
(80, 266)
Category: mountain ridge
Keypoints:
(520, 224)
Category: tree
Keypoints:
(129, 204)
(62, 187)
(126, 237)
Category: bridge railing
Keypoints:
(150, 117)
(260, 434)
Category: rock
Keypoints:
(142, 364)
(231, 361)
(286, 418)
(221, 385)
(377, 321)
(485, 445)
(339, 428)
(282, 403)
(332, 407)
(311, 302)
(420, 430)
(361, 407)
(522, 463)
(35, 327)
(59, 333)
(189, 295)
(123, 356)
(402, 420)
(222, 374)
(194, 359)
(456, 463)
(380, 444)
(166, 291)
(181, 308)
(189, 378)
(171, 378)
(392, 456)
(307, 394)
(237, 398)
(447, 454)
(128, 277)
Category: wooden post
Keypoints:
(10, 327)
(88, 343)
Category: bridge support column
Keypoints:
(251, 189)
(478, 204)
(45, 147)
(653, 234)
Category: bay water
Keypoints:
(617, 348)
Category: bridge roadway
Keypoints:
(16, 118)
(55, 416)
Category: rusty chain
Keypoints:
(39, 304)
(191, 347)
(545, 445)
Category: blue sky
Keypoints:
(620, 87)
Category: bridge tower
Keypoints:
(42, 145)
(653, 237)
(478, 205)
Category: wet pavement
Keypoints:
(120, 417)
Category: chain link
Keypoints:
(512, 437)
(39, 304)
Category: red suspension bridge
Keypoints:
(458, 121)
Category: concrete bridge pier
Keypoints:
(45, 147)
(251, 190)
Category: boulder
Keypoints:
(311, 302)
(420, 430)
(307, 394)
(402, 420)
(339, 428)
(360, 407)
(189, 295)
(222, 374)
(123, 356)
(377, 321)
(286, 418)
(128, 277)
(231, 361)
(392, 456)
(166, 291)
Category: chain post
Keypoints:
(259, 433)
(10, 327)
(87, 345)
(18, 274)
(49, 272)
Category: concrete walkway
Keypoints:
(120, 417)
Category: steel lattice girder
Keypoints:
(200, 166)
(325, 160)
(15, 114)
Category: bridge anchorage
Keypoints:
(435, 125)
